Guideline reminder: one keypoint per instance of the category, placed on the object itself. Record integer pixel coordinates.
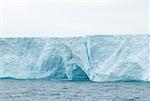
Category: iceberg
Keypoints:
(97, 58)
(120, 58)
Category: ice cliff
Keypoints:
(96, 58)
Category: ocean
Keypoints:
(46, 90)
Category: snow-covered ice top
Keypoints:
(96, 58)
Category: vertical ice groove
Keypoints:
(44, 56)
(41, 57)
(147, 72)
(86, 42)
(149, 58)
(146, 75)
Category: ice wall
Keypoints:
(36, 58)
(97, 58)
(120, 58)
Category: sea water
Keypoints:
(45, 90)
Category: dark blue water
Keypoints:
(42, 90)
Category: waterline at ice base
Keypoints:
(100, 58)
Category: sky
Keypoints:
(40, 18)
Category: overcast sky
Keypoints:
(72, 17)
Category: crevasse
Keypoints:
(96, 58)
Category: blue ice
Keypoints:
(96, 58)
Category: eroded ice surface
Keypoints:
(119, 57)
(98, 58)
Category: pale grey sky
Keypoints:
(72, 17)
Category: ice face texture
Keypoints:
(36, 58)
(120, 58)
(96, 58)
